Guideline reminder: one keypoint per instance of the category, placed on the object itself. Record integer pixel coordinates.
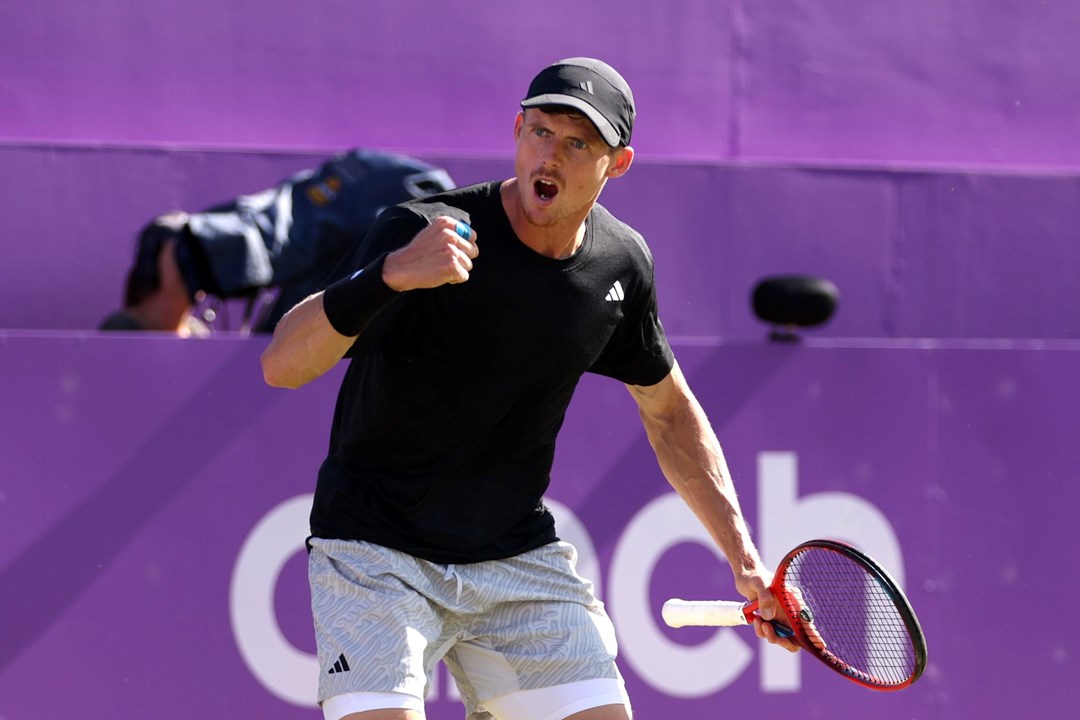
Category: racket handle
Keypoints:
(712, 613)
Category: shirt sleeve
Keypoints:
(638, 352)
(393, 229)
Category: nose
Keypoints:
(551, 156)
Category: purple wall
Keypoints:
(925, 81)
(915, 254)
(921, 155)
(134, 473)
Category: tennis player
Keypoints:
(469, 319)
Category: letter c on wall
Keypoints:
(288, 673)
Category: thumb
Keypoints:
(767, 605)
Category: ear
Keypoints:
(621, 161)
(519, 122)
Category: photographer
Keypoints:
(283, 242)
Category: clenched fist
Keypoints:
(441, 253)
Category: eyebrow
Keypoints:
(588, 133)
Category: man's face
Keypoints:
(171, 284)
(561, 164)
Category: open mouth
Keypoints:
(545, 190)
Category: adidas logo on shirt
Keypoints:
(615, 294)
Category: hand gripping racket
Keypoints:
(838, 605)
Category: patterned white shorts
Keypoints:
(384, 619)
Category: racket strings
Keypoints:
(850, 617)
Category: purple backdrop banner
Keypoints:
(154, 493)
(923, 81)
(914, 254)
(922, 155)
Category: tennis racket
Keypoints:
(839, 605)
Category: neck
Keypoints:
(559, 240)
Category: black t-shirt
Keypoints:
(444, 432)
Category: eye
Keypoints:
(579, 144)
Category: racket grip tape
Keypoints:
(710, 613)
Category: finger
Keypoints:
(767, 605)
(467, 234)
(462, 237)
(460, 267)
(767, 632)
(461, 257)
(459, 228)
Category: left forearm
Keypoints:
(693, 462)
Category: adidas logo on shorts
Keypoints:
(342, 665)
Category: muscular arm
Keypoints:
(693, 462)
(304, 346)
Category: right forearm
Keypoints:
(316, 334)
(304, 346)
